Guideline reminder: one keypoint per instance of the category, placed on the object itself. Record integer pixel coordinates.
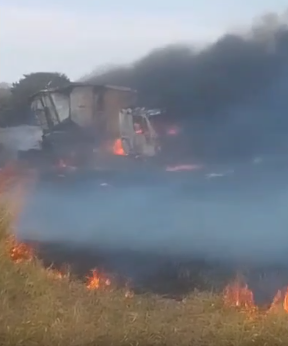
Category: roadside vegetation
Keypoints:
(41, 306)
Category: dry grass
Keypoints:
(37, 309)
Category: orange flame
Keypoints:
(16, 185)
(21, 252)
(95, 281)
(118, 148)
(239, 295)
(280, 299)
(285, 302)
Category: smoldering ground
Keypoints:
(221, 217)
(173, 223)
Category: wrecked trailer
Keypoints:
(86, 124)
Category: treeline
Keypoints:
(14, 106)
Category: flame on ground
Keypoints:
(238, 294)
(118, 148)
(96, 281)
(20, 252)
(280, 301)
(13, 189)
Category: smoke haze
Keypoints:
(232, 101)
(242, 217)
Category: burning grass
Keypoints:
(46, 307)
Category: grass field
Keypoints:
(40, 307)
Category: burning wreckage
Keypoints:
(87, 125)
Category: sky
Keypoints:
(76, 37)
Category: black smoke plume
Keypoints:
(231, 97)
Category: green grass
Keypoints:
(37, 309)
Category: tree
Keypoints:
(5, 98)
(27, 86)
(31, 83)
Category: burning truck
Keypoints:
(92, 125)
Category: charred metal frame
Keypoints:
(54, 107)
(66, 90)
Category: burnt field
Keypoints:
(167, 232)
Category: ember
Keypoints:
(129, 294)
(96, 281)
(173, 131)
